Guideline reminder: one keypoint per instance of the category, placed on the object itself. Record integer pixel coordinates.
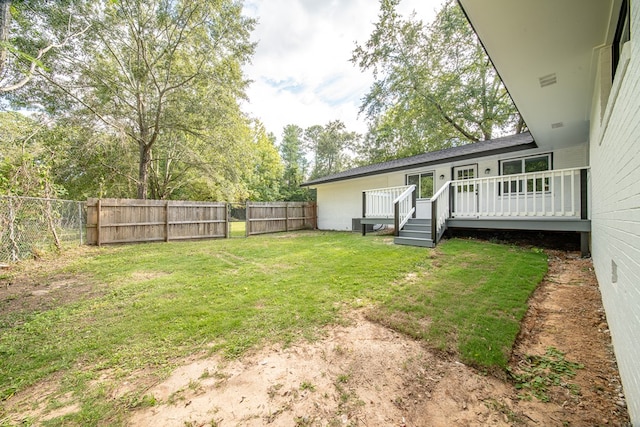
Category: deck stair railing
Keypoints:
(440, 212)
(404, 207)
(547, 194)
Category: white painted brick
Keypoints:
(615, 212)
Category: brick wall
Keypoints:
(615, 208)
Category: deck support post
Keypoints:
(584, 212)
(434, 221)
(583, 194)
(451, 199)
(396, 218)
(414, 197)
(364, 212)
(584, 244)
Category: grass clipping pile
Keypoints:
(365, 374)
(562, 374)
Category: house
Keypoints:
(504, 183)
(572, 68)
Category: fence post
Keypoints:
(12, 232)
(247, 225)
(227, 207)
(314, 207)
(80, 220)
(166, 221)
(98, 222)
(286, 217)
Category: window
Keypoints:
(526, 165)
(622, 35)
(423, 183)
(464, 173)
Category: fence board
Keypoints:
(129, 220)
(275, 217)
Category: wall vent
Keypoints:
(557, 125)
(548, 80)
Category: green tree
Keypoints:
(25, 162)
(266, 175)
(295, 164)
(24, 46)
(163, 78)
(330, 145)
(434, 86)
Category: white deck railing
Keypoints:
(404, 207)
(554, 193)
(378, 203)
(440, 212)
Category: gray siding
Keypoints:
(615, 209)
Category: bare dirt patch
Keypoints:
(28, 287)
(366, 374)
(362, 373)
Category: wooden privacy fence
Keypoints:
(129, 220)
(274, 217)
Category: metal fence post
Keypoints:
(80, 220)
(12, 232)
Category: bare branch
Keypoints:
(34, 62)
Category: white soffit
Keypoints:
(544, 52)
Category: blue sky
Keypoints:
(301, 71)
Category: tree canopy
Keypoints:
(434, 86)
(153, 86)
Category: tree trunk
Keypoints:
(5, 21)
(143, 172)
(520, 125)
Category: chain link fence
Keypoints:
(30, 225)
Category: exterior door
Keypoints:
(466, 195)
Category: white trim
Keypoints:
(621, 71)
(418, 187)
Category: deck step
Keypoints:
(413, 241)
(418, 234)
(419, 221)
(417, 227)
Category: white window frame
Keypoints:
(516, 186)
(418, 189)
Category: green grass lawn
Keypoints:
(161, 302)
(237, 229)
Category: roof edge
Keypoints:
(501, 150)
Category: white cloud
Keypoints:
(301, 71)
